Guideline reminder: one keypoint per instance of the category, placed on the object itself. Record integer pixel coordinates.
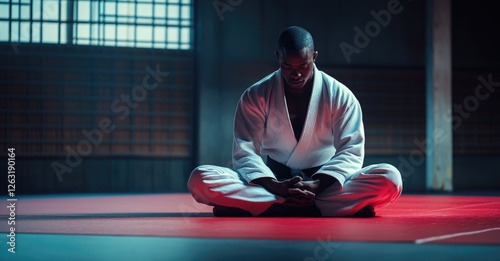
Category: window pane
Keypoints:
(4, 11)
(159, 21)
(50, 10)
(110, 8)
(185, 35)
(110, 43)
(160, 11)
(36, 32)
(50, 32)
(125, 44)
(109, 32)
(15, 12)
(62, 35)
(25, 32)
(64, 9)
(144, 10)
(159, 45)
(172, 22)
(144, 33)
(83, 11)
(126, 9)
(83, 31)
(186, 12)
(173, 11)
(125, 32)
(172, 46)
(159, 35)
(37, 14)
(122, 32)
(25, 12)
(145, 45)
(4, 27)
(14, 31)
(144, 20)
(172, 34)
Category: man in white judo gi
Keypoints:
(298, 147)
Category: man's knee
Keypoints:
(391, 184)
(389, 172)
(197, 185)
(394, 176)
(197, 176)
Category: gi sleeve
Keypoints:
(249, 128)
(349, 142)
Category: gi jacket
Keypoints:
(332, 137)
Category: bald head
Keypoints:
(294, 39)
(296, 58)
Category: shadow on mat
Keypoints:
(114, 215)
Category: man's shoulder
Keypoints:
(265, 81)
(336, 88)
(262, 86)
(332, 82)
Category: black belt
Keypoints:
(281, 171)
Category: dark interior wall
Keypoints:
(237, 44)
(476, 61)
(238, 50)
(55, 98)
(476, 37)
(234, 49)
(249, 32)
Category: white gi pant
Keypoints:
(376, 185)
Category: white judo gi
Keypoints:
(332, 140)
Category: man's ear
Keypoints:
(315, 55)
(278, 55)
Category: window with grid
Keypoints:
(163, 24)
(68, 71)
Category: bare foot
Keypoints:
(367, 211)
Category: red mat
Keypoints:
(417, 219)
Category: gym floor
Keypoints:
(175, 227)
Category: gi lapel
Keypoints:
(281, 118)
(297, 157)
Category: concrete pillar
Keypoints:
(438, 93)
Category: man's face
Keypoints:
(297, 68)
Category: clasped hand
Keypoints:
(296, 191)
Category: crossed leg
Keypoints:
(375, 185)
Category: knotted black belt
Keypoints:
(281, 171)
